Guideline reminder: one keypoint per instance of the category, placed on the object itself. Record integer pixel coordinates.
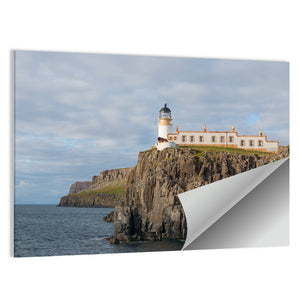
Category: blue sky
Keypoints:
(78, 114)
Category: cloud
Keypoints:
(21, 184)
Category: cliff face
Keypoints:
(105, 190)
(107, 177)
(91, 200)
(151, 209)
(78, 186)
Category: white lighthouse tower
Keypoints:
(164, 124)
(164, 127)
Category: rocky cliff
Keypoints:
(105, 190)
(151, 209)
(78, 186)
(96, 199)
(107, 177)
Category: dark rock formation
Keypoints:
(107, 177)
(151, 209)
(77, 186)
(284, 151)
(109, 218)
(91, 200)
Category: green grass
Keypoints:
(114, 188)
(214, 150)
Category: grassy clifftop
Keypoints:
(108, 196)
(214, 149)
(202, 150)
(114, 188)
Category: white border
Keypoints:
(266, 30)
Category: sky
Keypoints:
(78, 114)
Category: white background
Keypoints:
(267, 30)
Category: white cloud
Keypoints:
(21, 184)
(185, 92)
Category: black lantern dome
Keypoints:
(165, 113)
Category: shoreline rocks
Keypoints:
(109, 218)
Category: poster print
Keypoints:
(129, 153)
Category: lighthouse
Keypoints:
(164, 124)
(164, 128)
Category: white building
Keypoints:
(209, 138)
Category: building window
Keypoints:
(260, 143)
(251, 143)
(231, 139)
(192, 138)
(175, 138)
(242, 143)
(222, 139)
(170, 138)
(213, 139)
(183, 138)
(201, 138)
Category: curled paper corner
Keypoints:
(214, 220)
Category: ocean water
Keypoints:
(47, 230)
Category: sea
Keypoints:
(48, 230)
